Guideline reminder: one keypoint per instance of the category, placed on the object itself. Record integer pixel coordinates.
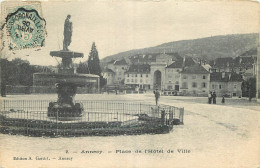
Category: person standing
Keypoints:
(214, 96)
(210, 97)
(157, 96)
(223, 99)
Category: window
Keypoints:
(170, 81)
(203, 77)
(220, 86)
(141, 75)
(184, 77)
(127, 75)
(132, 75)
(203, 85)
(141, 80)
(194, 84)
(135, 75)
(194, 77)
(213, 86)
(235, 86)
(132, 80)
(147, 75)
(169, 87)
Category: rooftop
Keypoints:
(139, 68)
(195, 69)
(225, 77)
(148, 58)
(108, 70)
(188, 61)
(120, 62)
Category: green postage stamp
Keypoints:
(25, 26)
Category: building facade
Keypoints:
(170, 72)
(119, 67)
(226, 83)
(138, 76)
(194, 80)
(109, 75)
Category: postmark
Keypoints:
(25, 29)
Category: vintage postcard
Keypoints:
(104, 83)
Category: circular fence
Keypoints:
(29, 117)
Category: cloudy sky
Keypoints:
(118, 26)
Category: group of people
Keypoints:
(212, 98)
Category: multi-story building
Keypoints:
(138, 76)
(172, 77)
(194, 80)
(109, 75)
(226, 83)
(245, 63)
(119, 67)
(170, 72)
(161, 76)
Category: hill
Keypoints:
(208, 48)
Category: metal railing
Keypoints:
(31, 115)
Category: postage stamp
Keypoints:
(26, 28)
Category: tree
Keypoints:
(83, 68)
(249, 88)
(93, 61)
(94, 64)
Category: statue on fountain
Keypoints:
(67, 33)
(67, 82)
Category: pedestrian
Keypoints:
(210, 97)
(214, 96)
(223, 99)
(157, 96)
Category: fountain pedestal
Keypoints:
(65, 108)
(66, 84)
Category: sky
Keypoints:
(117, 26)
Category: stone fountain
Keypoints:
(67, 81)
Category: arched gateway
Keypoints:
(157, 79)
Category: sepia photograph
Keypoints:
(130, 83)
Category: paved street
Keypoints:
(216, 136)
